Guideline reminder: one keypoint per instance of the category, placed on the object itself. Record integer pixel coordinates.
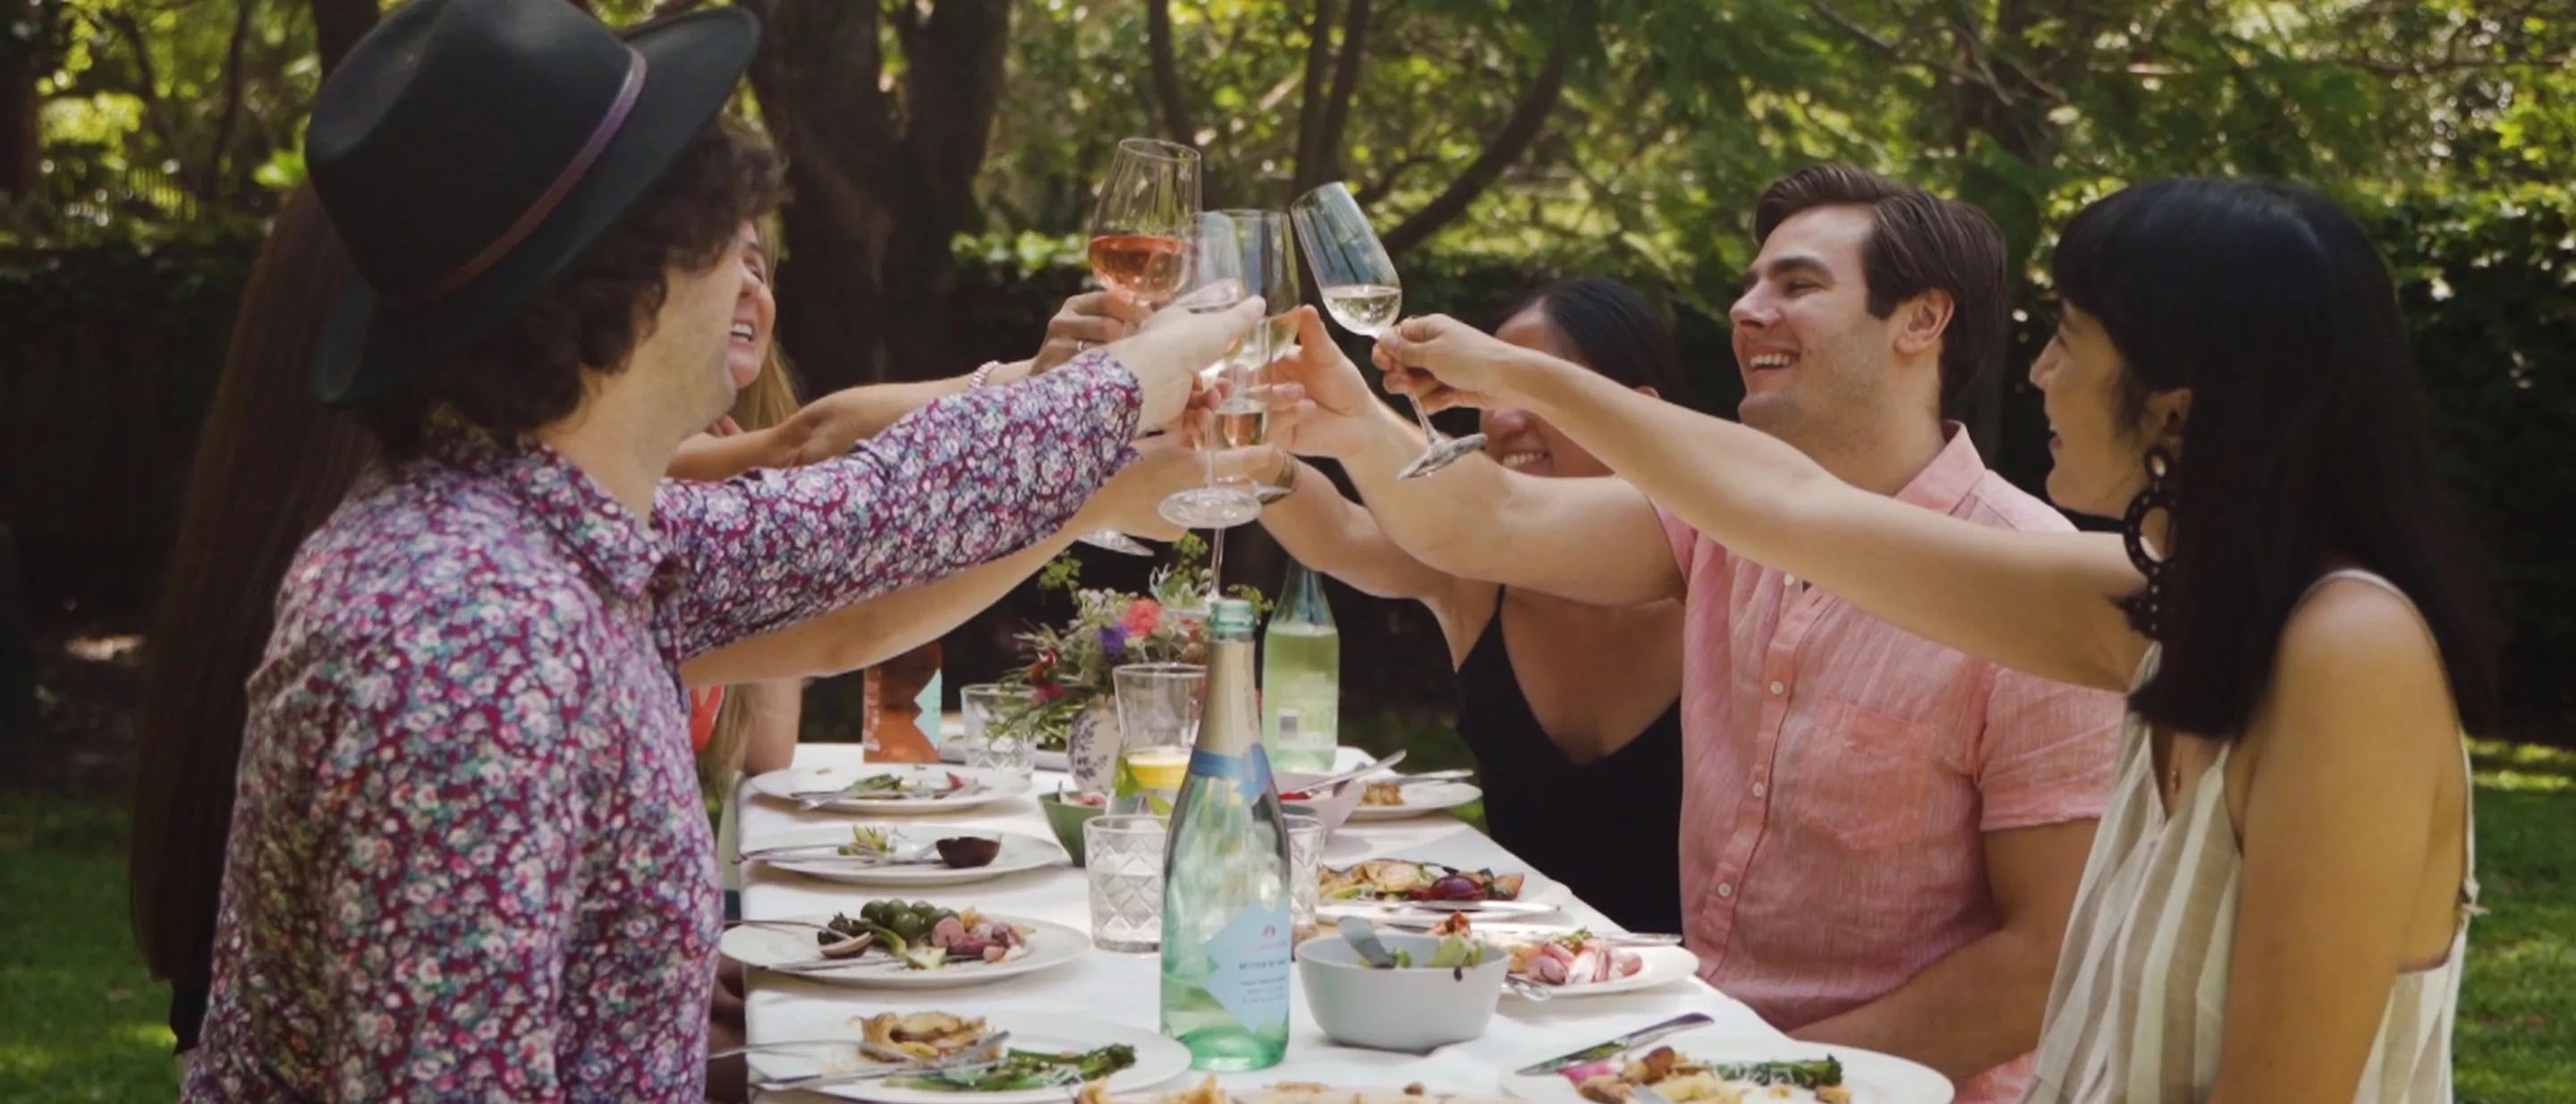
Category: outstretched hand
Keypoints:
(1445, 363)
(1167, 353)
(1338, 404)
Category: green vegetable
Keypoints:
(1025, 1069)
(1403, 960)
(1815, 1074)
(867, 841)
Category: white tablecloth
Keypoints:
(1124, 987)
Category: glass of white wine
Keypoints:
(1140, 237)
(1360, 290)
(1270, 272)
(1218, 278)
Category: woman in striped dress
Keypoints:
(2276, 905)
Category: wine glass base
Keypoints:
(1115, 541)
(1441, 454)
(1210, 508)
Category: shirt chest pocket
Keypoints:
(1868, 781)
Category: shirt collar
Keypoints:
(1953, 472)
(587, 521)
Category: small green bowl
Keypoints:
(1067, 821)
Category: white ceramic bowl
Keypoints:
(1400, 1009)
(1333, 808)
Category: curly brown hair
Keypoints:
(532, 370)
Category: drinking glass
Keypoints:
(1123, 859)
(1140, 234)
(1158, 716)
(1219, 276)
(988, 747)
(1305, 872)
(1360, 291)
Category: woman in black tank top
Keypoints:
(1595, 801)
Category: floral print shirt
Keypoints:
(468, 859)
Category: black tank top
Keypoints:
(1610, 830)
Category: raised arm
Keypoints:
(877, 629)
(2044, 603)
(1593, 540)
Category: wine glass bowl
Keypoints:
(1141, 233)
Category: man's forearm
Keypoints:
(2004, 977)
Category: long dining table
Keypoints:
(1124, 988)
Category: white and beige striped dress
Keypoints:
(2137, 1009)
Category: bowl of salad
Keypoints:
(1441, 990)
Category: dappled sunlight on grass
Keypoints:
(82, 1020)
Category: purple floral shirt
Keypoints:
(469, 860)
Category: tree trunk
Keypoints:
(26, 56)
(338, 25)
(1529, 115)
(1326, 111)
(1167, 74)
(864, 290)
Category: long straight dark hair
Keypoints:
(2306, 445)
(271, 464)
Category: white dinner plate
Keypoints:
(781, 785)
(1050, 945)
(1421, 800)
(1539, 896)
(1020, 852)
(954, 751)
(1157, 1060)
(1873, 1078)
(1661, 966)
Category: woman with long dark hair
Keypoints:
(2277, 900)
(271, 464)
(1571, 710)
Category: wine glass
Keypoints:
(1140, 243)
(1270, 272)
(1360, 291)
(1217, 279)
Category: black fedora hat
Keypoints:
(469, 150)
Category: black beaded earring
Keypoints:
(2146, 608)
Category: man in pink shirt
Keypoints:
(1881, 836)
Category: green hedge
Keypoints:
(113, 349)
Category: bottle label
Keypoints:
(1250, 959)
(1250, 771)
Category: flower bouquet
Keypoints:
(1072, 700)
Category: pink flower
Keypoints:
(1046, 692)
(1144, 615)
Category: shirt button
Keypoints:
(1789, 581)
(1779, 688)
(1726, 889)
(1759, 789)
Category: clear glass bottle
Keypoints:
(1301, 676)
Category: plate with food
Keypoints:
(878, 854)
(1380, 885)
(894, 944)
(890, 787)
(1397, 798)
(1295, 1092)
(1581, 964)
(1712, 1066)
(1001, 1059)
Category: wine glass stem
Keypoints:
(1433, 435)
(1216, 568)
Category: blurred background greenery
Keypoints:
(944, 155)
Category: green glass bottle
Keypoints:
(1226, 930)
(1301, 676)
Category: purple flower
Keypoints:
(1113, 642)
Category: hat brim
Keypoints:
(693, 62)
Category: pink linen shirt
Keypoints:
(1839, 772)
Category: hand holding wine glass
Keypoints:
(1139, 242)
(1359, 287)
(1443, 363)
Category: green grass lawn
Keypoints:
(80, 1021)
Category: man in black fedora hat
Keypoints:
(469, 858)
